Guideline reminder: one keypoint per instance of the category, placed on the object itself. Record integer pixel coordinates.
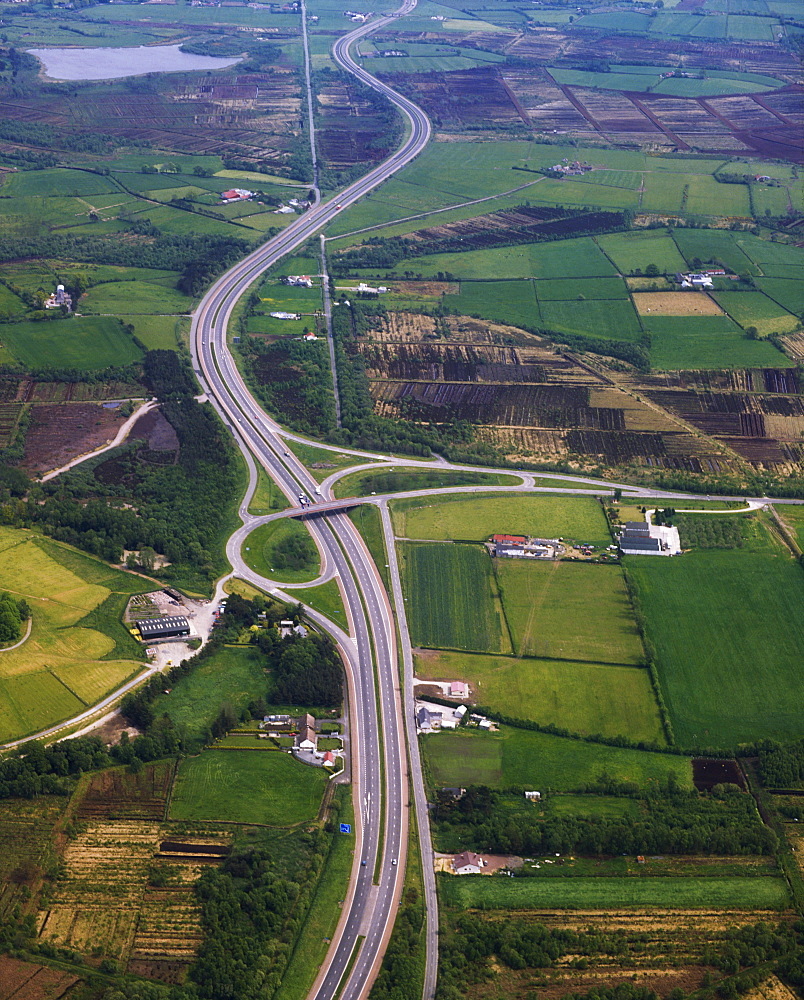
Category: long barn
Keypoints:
(163, 628)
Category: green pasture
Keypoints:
(766, 254)
(602, 806)
(569, 611)
(260, 544)
(715, 246)
(91, 343)
(558, 289)
(159, 332)
(135, 297)
(10, 304)
(511, 302)
(452, 597)
(648, 79)
(245, 787)
(326, 598)
(604, 892)
(78, 650)
(232, 675)
(56, 182)
(755, 309)
(636, 251)
(583, 698)
(519, 758)
(611, 319)
(478, 518)
(578, 258)
(728, 629)
(788, 293)
(681, 342)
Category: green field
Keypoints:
(90, 343)
(56, 182)
(715, 245)
(135, 297)
(232, 675)
(159, 333)
(638, 250)
(452, 598)
(728, 629)
(522, 759)
(569, 611)
(500, 301)
(78, 650)
(679, 342)
(579, 257)
(10, 304)
(648, 79)
(478, 518)
(756, 309)
(604, 892)
(245, 787)
(584, 698)
(613, 319)
(261, 544)
(551, 289)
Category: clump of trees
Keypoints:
(137, 505)
(781, 765)
(13, 613)
(671, 821)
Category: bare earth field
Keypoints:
(676, 304)
(61, 432)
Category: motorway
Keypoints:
(379, 755)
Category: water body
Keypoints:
(113, 64)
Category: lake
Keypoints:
(112, 64)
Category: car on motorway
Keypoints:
(364, 863)
(394, 862)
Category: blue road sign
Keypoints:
(346, 827)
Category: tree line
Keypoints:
(670, 821)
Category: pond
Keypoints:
(112, 64)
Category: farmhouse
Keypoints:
(533, 796)
(468, 863)
(694, 280)
(285, 315)
(236, 194)
(306, 738)
(299, 280)
(59, 298)
(163, 628)
(519, 547)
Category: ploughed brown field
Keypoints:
(533, 400)
(676, 304)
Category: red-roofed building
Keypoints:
(509, 540)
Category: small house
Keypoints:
(533, 796)
(468, 863)
(329, 759)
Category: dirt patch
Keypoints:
(676, 304)
(155, 429)
(428, 289)
(61, 432)
(708, 773)
(26, 981)
(113, 728)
